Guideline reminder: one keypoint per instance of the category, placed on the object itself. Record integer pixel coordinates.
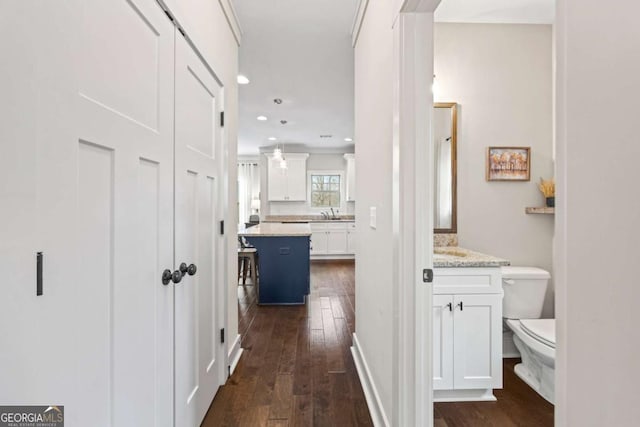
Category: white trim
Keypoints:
(471, 395)
(376, 410)
(357, 21)
(235, 352)
(412, 215)
(418, 6)
(232, 19)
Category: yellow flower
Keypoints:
(548, 188)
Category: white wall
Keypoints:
(315, 161)
(501, 77)
(373, 133)
(597, 230)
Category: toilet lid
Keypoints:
(544, 330)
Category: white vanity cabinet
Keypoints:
(467, 333)
(332, 239)
(290, 184)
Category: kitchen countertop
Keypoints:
(306, 218)
(276, 229)
(455, 256)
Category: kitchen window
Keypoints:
(326, 189)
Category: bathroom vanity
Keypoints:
(467, 325)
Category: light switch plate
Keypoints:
(372, 217)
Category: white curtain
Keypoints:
(248, 189)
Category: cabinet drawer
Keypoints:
(467, 281)
(316, 226)
(336, 225)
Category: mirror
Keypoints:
(445, 125)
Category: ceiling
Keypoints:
(497, 11)
(300, 51)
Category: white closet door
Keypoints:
(197, 142)
(123, 163)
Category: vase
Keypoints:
(551, 202)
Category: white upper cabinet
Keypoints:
(351, 177)
(288, 184)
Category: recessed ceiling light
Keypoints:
(272, 138)
(348, 139)
(262, 118)
(242, 80)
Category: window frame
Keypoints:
(342, 204)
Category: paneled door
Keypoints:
(198, 351)
(121, 163)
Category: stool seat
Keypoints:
(248, 262)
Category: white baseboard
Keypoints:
(479, 395)
(376, 410)
(235, 351)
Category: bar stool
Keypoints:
(248, 262)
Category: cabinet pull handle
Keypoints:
(460, 305)
(450, 305)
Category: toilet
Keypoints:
(535, 338)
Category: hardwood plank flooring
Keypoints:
(517, 405)
(297, 368)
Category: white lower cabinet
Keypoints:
(467, 341)
(332, 239)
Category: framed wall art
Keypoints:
(508, 164)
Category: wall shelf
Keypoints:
(540, 210)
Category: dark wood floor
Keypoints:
(297, 368)
(517, 405)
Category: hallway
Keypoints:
(297, 368)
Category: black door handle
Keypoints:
(460, 305)
(450, 306)
(168, 276)
(191, 270)
(176, 277)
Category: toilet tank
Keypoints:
(524, 291)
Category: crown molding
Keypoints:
(232, 19)
(357, 21)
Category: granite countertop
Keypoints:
(276, 229)
(307, 218)
(455, 256)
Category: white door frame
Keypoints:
(413, 211)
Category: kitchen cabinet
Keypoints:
(351, 238)
(332, 239)
(351, 177)
(467, 334)
(290, 184)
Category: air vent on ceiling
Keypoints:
(326, 136)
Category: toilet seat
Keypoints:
(543, 330)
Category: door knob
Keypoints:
(191, 270)
(183, 268)
(168, 276)
(176, 276)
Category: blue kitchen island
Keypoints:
(283, 261)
